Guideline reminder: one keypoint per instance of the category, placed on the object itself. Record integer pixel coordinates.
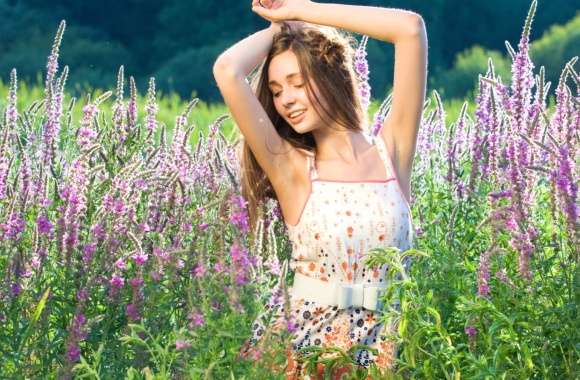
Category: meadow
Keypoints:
(125, 250)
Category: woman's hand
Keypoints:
(280, 10)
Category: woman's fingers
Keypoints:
(265, 3)
(259, 3)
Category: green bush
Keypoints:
(556, 47)
(462, 79)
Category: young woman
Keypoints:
(341, 191)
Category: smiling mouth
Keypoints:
(297, 116)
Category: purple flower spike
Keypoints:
(362, 71)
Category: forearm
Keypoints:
(385, 24)
(245, 55)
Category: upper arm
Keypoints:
(401, 125)
(274, 154)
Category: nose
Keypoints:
(288, 98)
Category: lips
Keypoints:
(296, 116)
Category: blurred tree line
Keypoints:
(177, 41)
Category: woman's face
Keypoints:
(289, 93)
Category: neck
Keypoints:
(341, 145)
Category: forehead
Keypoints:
(282, 65)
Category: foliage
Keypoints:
(461, 80)
(556, 47)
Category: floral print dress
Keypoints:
(340, 222)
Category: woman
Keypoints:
(341, 192)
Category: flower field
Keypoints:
(125, 248)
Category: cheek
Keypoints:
(277, 106)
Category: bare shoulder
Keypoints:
(292, 170)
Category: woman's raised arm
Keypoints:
(246, 54)
(274, 154)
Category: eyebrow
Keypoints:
(287, 77)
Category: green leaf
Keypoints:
(35, 317)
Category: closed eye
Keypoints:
(276, 94)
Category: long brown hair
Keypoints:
(325, 56)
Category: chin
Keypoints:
(301, 129)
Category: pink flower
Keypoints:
(181, 344)
(199, 270)
(140, 258)
(132, 312)
(196, 319)
(471, 331)
(291, 326)
(219, 268)
(120, 264)
(117, 281)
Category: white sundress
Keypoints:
(340, 222)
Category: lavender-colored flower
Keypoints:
(86, 135)
(471, 331)
(181, 344)
(140, 257)
(199, 270)
(483, 274)
(77, 333)
(117, 281)
(196, 319)
(162, 254)
(15, 289)
(273, 265)
(136, 282)
(74, 195)
(132, 312)
(98, 232)
(291, 326)
(82, 295)
(25, 174)
(502, 276)
(73, 353)
(120, 264)
(219, 267)
(362, 71)
(13, 227)
(11, 116)
(151, 107)
(52, 65)
(132, 105)
(567, 186)
(156, 274)
(239, 216)
(4, 168)
(88, 252)
(419, 231)
(521, 242)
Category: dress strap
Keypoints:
(384, 153)
(311, 167)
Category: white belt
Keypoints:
(334, 293)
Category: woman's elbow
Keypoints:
(417, 24)
(223, 67)
(220, 65)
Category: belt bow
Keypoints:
(360, 295)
